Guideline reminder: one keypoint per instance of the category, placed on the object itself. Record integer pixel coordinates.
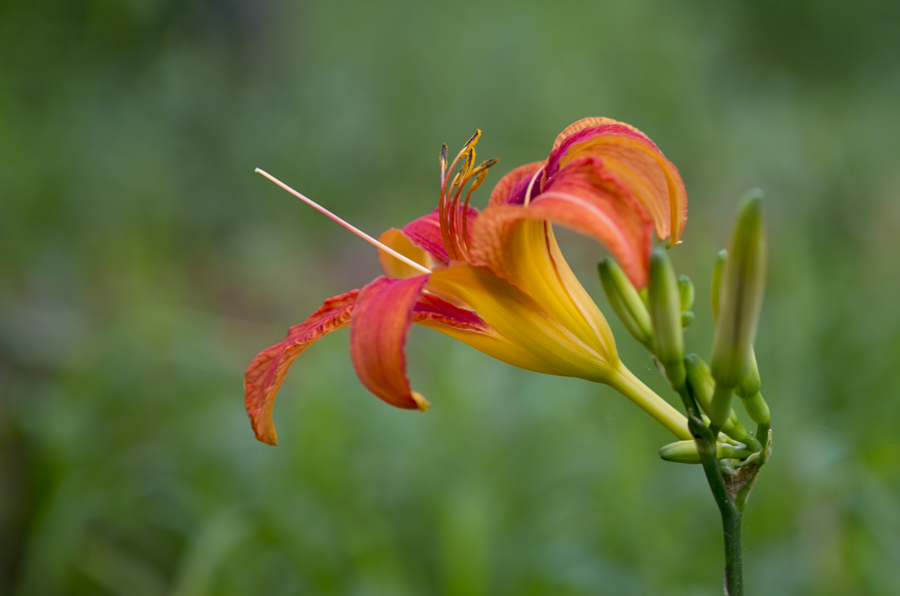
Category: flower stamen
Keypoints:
(453, 220)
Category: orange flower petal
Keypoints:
(394, 267)
(266, 372)
(533, 326)
(592, 122)
(585, 197)
(632, 156)
(423, 234)
(468, 327)
(378, 329)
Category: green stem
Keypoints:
(731, 516)
(624, 381)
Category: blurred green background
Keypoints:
(143, 264)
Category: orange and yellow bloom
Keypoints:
(496, 279)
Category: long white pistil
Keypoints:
(353, 229)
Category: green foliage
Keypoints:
(143, 264)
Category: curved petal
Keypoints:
(396, 268)
(266, 372)
(466, 326)
(423, 234)
(511, 189)
(517, 245)
(378, 328)
(585, 197)
(631, 155)
(526, 321)
(592, 122)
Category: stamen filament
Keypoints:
(531, 185)
(343, 223)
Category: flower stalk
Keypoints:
(730, 456)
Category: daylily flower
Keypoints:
(496, 279)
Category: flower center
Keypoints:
(454, 213)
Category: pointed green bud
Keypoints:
(685, 292)
(748, 389)
(665, 313)
(685, 452)
(700, 379)
(718, 268)
(625, 300)
(742, 285)
(687, 318)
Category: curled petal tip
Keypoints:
(267, 436)
(421, 403)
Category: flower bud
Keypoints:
(685, 292)
(757, 408)
(749, 385)
(742, 285)
(703, 386)
(685, 452)
(748, 388)
(625, 300)
(687, 318)
(716, 293)
(665, 313)
(748, 391)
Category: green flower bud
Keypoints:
(687, 318)
(625, 300)
(757, 408)
(749, 385)
(748, 391)
(665, 313)
(685, 292)
(742, 286)
(685, 452)
(718, 268)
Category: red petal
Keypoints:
(584, 197)
(436, 310)
(267, 371)
(378, 330)
(512, 187)
(425, 233)
(632, 156)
